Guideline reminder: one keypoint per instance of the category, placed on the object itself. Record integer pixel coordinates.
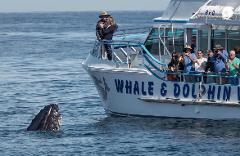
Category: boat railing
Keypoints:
(123, 52)
(129, 53)
(126, 52)
(161, 71)
(202, 77)
(135, 34)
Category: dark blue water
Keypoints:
(40, 63)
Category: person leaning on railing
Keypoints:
(173, 67)
(233, 66)
(219, 59)
(210, 63)
(189, 61)
(209, 69)
(200, 64)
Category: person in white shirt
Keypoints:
(201, 62)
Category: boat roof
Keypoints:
(176, 11)
(197, 13)
(218, 12)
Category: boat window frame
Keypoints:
(167, 34)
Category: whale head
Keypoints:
(48, 119)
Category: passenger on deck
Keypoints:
(181, 66)
(181, 63)
(219, 59)
(173, 67)
(233, 66)
(173, 64)
(200, 64)
(209, 68)
(105, 28)
(99, 28)
(189, 61)
(210, 63)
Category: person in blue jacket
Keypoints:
(219, 59)
(219, 62)
(189, 61)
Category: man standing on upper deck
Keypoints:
(105, 28)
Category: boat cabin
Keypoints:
(212, 24)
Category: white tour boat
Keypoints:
(135, 82)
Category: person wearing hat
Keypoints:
(189, 61)
(105, 28)
(100, 24)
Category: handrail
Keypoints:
(154, 74)
(115, 55)
(195, 73)
(153, 61)
(120, 42)
(127, 44)
(152, 64)
(151, 56)
(124, 52)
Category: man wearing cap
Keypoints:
(105, 28)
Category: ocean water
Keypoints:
(40, 64)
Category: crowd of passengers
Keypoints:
(218, 67)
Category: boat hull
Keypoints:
(136, 92)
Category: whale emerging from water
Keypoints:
(48, 119)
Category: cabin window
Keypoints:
(178, 40)
(218, 37)
(152, 43)
(234, 40)
(203, 40)
(161, 41)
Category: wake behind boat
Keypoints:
(137, 81)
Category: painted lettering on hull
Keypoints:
(176, 90)
(134, 87)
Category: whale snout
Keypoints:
(48, 119)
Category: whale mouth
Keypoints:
(48, 119)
